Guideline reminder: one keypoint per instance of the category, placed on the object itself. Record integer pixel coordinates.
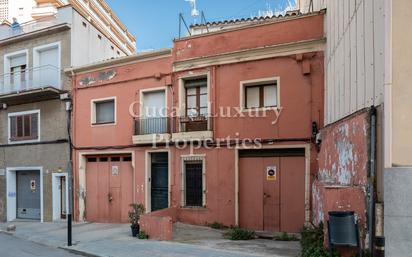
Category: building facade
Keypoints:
(213, 159)
(97, 12)
(368, 168)
(398, 162)
(34, 105)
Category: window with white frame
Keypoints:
(15, 66)
(104, 111)
(24, 126)
(261, 94)
(193, 182)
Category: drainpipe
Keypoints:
(371, 182)
(69, 108)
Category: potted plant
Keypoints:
(137, 209)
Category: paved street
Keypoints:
(14, 247)
(114, 240)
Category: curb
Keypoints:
(66, 248)
(6, 232)
(78, 252)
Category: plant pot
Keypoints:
(135, 230)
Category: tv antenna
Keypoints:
(195, 12)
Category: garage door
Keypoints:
(109, 188)
(272, 190)
(28, 194)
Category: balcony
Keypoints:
(39, 83)
(159, 130)
(151, 130)
(192, 128)
(61, 20)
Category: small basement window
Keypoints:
(103, 112)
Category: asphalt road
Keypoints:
(14, 247)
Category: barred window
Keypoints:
(193, 180)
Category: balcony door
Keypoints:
(46, 66)
(153, 117)
(17, 72)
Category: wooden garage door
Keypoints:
(109, 185)
(272, 203)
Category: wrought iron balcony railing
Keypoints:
(190, 124)
(34, 78)
(156, 125)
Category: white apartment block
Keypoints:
(97, 12)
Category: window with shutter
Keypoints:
(104, 111)
(24, 127)
(261, 95)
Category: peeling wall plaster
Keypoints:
(99, 77)
(341, 181)
(344, 156)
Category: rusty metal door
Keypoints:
(109, 183)
(271, 194)
(259, 199)
(272, 190)
(126, 181)
(292, 193)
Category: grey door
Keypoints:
(160, 181)
(28, 194)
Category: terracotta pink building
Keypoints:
(232, 114)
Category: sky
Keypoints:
(155, 23)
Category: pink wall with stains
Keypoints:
(341, 182)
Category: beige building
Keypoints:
(398, 128)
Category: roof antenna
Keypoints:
(195, 12)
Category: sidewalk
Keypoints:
(114, 240)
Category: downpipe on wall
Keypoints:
(371, 180)
(69, 175)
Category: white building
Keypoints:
(20, 9)
(97, 12)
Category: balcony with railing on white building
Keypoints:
(38, 83)
(63, 19)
